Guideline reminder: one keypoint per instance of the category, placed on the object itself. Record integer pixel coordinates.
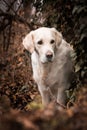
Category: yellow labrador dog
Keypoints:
(51, 63)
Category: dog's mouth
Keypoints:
(47, 61)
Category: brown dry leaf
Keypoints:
(69, 112)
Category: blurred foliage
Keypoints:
(80, 13)
(17, 88)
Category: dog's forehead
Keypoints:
(43, 33)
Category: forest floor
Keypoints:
(20, 102)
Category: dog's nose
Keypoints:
(49, 55)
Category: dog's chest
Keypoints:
(51, 75)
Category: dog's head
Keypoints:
(44, 41)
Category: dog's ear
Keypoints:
(28, 42)
(58, 37)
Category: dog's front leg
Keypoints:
(44, 94)
(61, 97)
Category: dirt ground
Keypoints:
(20, 102)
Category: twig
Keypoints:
(10, 6)
(16, 18)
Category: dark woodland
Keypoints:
(20, 101)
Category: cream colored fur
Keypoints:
(54, 72)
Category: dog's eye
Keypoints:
(52, 41)
(40, 42)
